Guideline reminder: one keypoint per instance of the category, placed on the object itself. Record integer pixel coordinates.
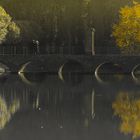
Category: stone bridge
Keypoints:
(52, 63)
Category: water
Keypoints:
(46, 107)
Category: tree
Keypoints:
(7, 26)
(66, 22)
(63, 22)
(127, 31)
(127, 108)
(6, 112)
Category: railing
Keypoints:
(34, 50)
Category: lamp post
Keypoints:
(93, 40)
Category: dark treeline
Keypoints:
(64, 25)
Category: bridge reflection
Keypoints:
(71, 72)
(51, 98)
(109, 72)
(136, 73)
(53, 104)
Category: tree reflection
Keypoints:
(6, 111)
(128, 109)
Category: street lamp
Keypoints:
(93, 40)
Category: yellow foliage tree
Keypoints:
(7, 26)
(127, 31)
(128, 109)
(6, 112)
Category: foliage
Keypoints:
(6, 112)
(127, 30)
(128, 109)
(7, 26)
(29, 31)
(62, 21)
(67, 23)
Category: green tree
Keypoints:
(7, 26)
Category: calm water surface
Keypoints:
(75, 107)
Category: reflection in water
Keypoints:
(71, 72)
(36, 76)
(53, 100)
(110, 78)
(36, 102)
(108, 72)
(128, 109)
(55, 110)
(24, 79)
(6, 111)
(136, 73)
(4, 70)
(93, 105)
(32, 78)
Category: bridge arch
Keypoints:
(71, 72)
(136, 73)
(32, 73)
(4, 69)
(108, 71)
